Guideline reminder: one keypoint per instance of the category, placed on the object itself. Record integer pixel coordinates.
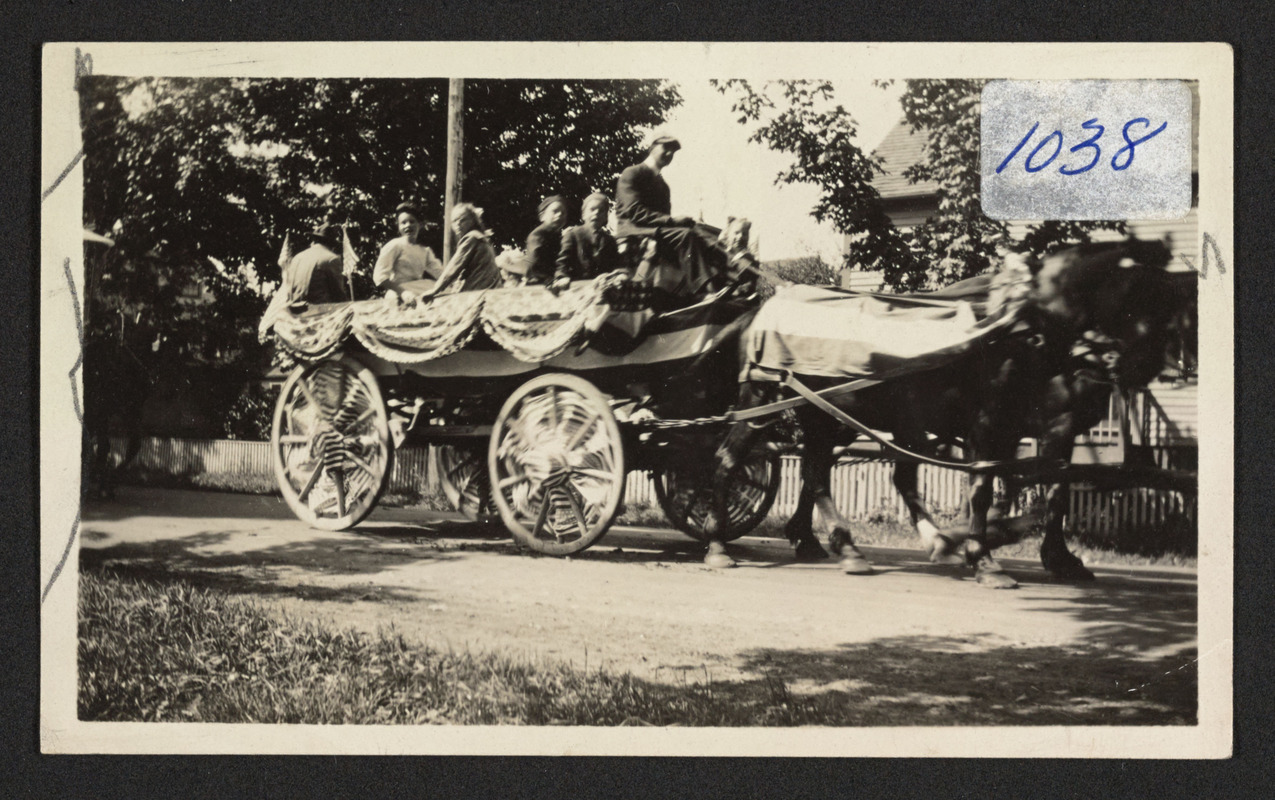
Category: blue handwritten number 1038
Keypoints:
(1092, 142)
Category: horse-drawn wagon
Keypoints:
(537, 405)
(541, 403)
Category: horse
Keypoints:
(1121, 320)
(1092, 318)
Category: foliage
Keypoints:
(199, 179)
(820, 137)
(958, 240)
(525, 140)
(811, 270)
(251, 414)
(965, 242)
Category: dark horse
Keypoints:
(1092, 318)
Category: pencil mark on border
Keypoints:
(66, 553)
(83, 65)
(83, 69)
(79, 330)
(58, 182)
(79, 413)
(1203, 269)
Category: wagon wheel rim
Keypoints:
(684, 492)
(556, 463)
(462, 473)
(330, 443)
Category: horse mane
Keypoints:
(1075, 289)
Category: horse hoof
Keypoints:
(853, 562)
(719, 561)
(1065, 566)
(810, 550)
(947, 552)
(839, 540)
(1075, 572)
(995, 580)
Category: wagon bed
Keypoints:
(539, 400)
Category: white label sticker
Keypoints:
(1086, 150)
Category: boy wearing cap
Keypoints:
(588, 249)
(314, 274)
(644, 207)
(545, 241)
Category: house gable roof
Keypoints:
(900, 149)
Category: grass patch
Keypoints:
(151, 651)
(173, 652)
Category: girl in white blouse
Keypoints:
(404, 263)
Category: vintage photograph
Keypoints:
(472, 397)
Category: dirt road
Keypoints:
(641, 601)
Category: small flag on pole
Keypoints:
(285, 255)
(349, 261)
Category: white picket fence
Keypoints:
(861, 490)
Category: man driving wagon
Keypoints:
(688, 258)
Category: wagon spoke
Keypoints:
(294, 438)
(582, 431)
(747, 481)
(574, 499)
(368, 441)
(597, 474)
(694, 503)
(513, 440)
(309, 395)
(511, 480)
(553, 408)
(361, 464)
(367, 412)
(294, 424)
(340, 494)
(541, 516)
(311, 481)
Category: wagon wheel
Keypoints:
(462, 471)
(556, 462)
(330, 443)
(684, 491)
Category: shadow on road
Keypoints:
(259, 584)
(267, 571)
(974, 680)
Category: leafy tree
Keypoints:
(810, 270)
(189, 174)
(820, 136)
(525, 140)
(962, 240)
(958, 240)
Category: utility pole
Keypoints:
(455, 141)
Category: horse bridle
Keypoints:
(1099, 357)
